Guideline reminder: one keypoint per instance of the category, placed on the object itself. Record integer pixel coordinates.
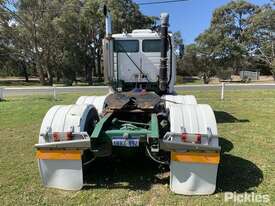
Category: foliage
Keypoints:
(178, 41)
(262, 35)
(61, 39)
(197, 62)
(225, 40)
(240, 36)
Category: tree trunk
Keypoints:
(205, 79)
(41, 74)
(50, 77)
(272, 65)
(26, 75)
(58, 76)
(93, 63)
(89, 74)
(37, 59)
(99, 63)
(273, 74)
(38, 67)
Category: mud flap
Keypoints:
(194, 163)
(61, 169)
(60, 160)
(194, 173)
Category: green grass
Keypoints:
(245, 122)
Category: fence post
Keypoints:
(54, 93)
(1, 93)
(222, 91)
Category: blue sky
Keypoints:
(191, 17)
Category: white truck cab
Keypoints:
(136, 58)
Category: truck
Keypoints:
(141, 110)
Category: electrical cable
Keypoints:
(153, 158)
(171, 63)
(70, 9)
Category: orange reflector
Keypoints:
(58, 154)
(196, 157)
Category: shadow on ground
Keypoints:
(226, 145)
(138, 172)
(225, 117)
(236, 174)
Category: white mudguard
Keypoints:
(62, 169)
(96, 101)
(194, 172)
(61, 174)
(171, 100)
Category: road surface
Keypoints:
(12, 91)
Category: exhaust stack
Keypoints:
(108, 22)
(163, 74)
(108, 56)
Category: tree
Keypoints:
(127, 16)
(177, 39)
(261, 33)
(62, 38)
(92, 27)
(225, 40)
(31, 33)
(84, 38)
(197, 62)
(187, 65)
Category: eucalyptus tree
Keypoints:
(226, 40)
(261, 34)
(63, 38)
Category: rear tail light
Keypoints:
(191, 138)
(184, 137)
(198, 138)
(62, 136)
(68, 135)
(56, 137)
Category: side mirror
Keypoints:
(181, 50)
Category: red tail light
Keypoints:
(69, 136)
(198, 138)
(56, 137)
(191, 138)
(184, 137)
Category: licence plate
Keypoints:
(125, 142)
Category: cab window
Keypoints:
(126, 46)
(151, 45)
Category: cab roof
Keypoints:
(138, 33)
